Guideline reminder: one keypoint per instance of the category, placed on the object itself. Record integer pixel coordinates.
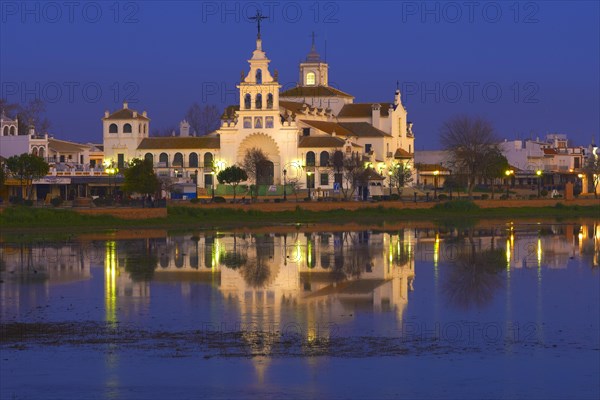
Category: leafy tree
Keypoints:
(495, 166)
(140, 177)
(469, 141)
(401, 176)
(232, 176)
(253, 158)
(592, 170)
(26, 168)
(203, 120)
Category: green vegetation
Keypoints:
(233, 176)
(140, 177)
(180, 217)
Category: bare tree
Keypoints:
(203, 120)
(253, 159)
(31, 114)
(401, 176)
(353, 175)
(469, 141)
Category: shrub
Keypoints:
(28, 203)
(457, 206)
(503, 197)
(532, 196)
(219, 199)
(56, 201)
(195, 200)
(307, 199)
(376, 198)
(485, 196)
(443, 197)
(543, 193)
(394, 197)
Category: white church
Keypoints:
(299, 129)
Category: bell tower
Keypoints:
(313, 71)
(259, 90)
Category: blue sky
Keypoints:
(529, 67)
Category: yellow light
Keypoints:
(436, 172)
(580, 176)
(507, 254)
(436, 250)
(309, 173)
(539, 252)
(390, 173)
(538, 172)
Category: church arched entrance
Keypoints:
(269, 172)
(265, 173)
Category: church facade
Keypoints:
(301, 130)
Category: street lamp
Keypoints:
(284, 184)
(539, 179)
(309, 174)
(435, 180)
(508, 173)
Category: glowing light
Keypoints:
(539, 252)
(508, 254)
(436, 250)
(110, 282)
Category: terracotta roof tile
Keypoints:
(363, 110)
(178, 142)
(314, 91)
(321, 141)
(63, 146)
(363, 129)
(126, 113)
(401, 153)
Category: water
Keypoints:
(499, 310)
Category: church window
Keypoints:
(258, 101)
(193, 160)
(324, 159)
(257, 122)
(247, 122)
(113, 128)
(259, 77)
(13, 131)
(310, 78)
(149, 157)
(269, 122)
(270, 101)
(127, 128)
(41, 152)
(5, 131)
(208, 160)
(164, 159)
(310, 159)
(145, 128)
(35, 151)
(178, 160)
(140, 128)
(247, 101)
(324, 179)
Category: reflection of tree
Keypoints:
(474, 277)
(140, 260)
(256, 270)
(352, 257)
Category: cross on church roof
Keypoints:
(258, 17)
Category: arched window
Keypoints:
(127, 128)
(34, 151)
(338, 159)
(41, 152)
(208, 160)
(193, 160)
(324, 159)
(5, 131)
(13, 131)
(164, 159)
(310, 159)
(310, 78)
(270, 101)
(150, 157)
(258, 102)
(113, 128)
(145, 128)
(259, 77)
(258, 122)
(247, 101)
(178, 160)
(140, 128)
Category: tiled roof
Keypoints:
(363, 129)
(62, 146)
(401, 153)
(431, 167)
(178, 142)
(363, 110)
(550, 152)
(372, 175)
(314, 91)
(328, 127)
(321, 141)
(294, 107)
(126, 113)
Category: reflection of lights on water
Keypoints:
(436, 251)
(539, 252)
(110, 287)
(508, 255)
(216, 254)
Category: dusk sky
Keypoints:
(529, 67)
